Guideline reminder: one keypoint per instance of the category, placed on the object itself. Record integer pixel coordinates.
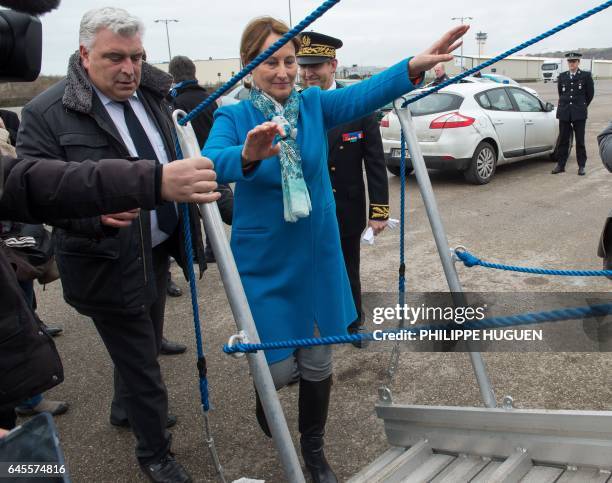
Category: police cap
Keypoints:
(317, 48)
(573, 56)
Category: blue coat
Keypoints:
(293, 273)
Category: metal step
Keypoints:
(564, 438)
(492, 445)
(464, 468)
(422, 465)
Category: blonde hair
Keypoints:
(256, 33)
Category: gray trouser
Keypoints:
(311, 364)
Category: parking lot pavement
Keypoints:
(524, 216)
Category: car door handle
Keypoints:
(529, 123)
(498, 123)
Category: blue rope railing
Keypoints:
(402, 268)
(470, 260)
(508, 53)
(531, 318)
(259, 59)
(201, 361)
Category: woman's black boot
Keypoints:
(313, 406)
(261, 416)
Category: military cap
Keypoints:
(317, 48)
(573, 56)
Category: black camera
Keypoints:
(21, 39)
(20, 46)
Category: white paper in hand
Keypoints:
(368, 236)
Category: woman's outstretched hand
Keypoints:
(440, 51)
(258, 144)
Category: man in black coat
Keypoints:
(114, 267)
(440, 73)
(35, 191)
(576, 91)
(351, 145)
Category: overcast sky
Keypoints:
(375, 32)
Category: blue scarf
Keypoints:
(296, 200)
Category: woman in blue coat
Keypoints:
(285, 235)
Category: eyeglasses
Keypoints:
(571, 61)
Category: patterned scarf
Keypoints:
(296, 200)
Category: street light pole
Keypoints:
(481, 38)
(167, 21)
(290, 22)
(462, 19)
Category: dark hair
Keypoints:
(256, 33)
(182, 68)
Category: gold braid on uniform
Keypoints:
(316, 50)
(379, 212)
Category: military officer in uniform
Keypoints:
(351, 146)
(576, 92)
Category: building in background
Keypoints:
(524, 68)
(212, 71)
(357, 71)
(520, 68)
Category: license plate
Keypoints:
(397, 153)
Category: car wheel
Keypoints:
(395, 170)
(482, 167)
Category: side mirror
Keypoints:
(549, 107)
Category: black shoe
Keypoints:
(52, 331)
(55, 408)
(173, 289)
(558, 169)
(581, 171)
(166, 470)
(125, 423)
(355, 330)
(170, 348)
(313, 406)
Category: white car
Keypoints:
(504, 79)
(238, 93)
(473, 127)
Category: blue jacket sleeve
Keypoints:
(225, 149)
(358, 100)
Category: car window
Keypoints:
(525, 101)
(483, 100)
(434, 103)
(499, 100)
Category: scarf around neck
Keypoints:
(296, 200)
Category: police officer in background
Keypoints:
(349, 144)
(576, 92)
